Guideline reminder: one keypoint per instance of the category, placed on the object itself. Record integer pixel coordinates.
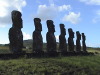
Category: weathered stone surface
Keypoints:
(15, 33)
(78, 44)
(50, 37)
(37, 37)
(70, 40)
(62, 39)
(83, 42)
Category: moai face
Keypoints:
(38, 25)
(62, 28)
(16, 19)
(50, 26)
(78, 35)
(71, 33)
(83, 36)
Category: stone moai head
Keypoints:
(16, 19)
(83, 36)
(63, 30)
(71, 33)
(38, 25)
(78, 35)
(50, 25)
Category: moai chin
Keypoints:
(78, 44)
(50, 37)
(62, 39)
(15, 33)
(70, 40)
(37, 37)
(83, 42)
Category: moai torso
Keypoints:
(37, 37)
(70, 40)
(83, 42)
(62, 39)
(50, 37)
(15, 33)
(78, 44)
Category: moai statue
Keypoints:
(78, 44)
(50, 37)
(37, 37)
(15, 33)
(62, 39)
(70, 40)
(83, 42)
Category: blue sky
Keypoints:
(80, 15)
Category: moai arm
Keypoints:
(12, 37)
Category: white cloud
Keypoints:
(57, 38)
(26, 36)
(6, 6)
(72, 17)
(2, 26)
(50, 12)
(91, 2)
(98, 12)
(96, 19)
(93, 44)
(64, 7)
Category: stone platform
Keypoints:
(50, 54)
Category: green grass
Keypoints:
(4, 49)
(94, 51)
(73, 65)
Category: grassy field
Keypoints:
(72, 65)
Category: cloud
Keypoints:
(57, 38)
(72, 17)
(6, 7)
(96, 19)
(98, 12)
(93, 44)
(91, 2)
(26, 36)
(64, 7)
(50, 12)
